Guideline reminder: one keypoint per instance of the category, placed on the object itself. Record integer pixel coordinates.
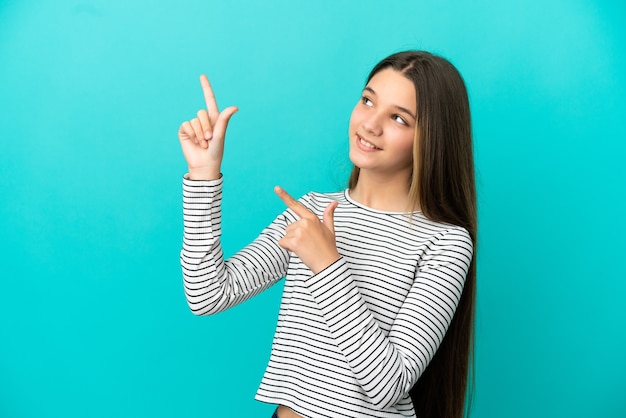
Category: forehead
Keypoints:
(393, 87)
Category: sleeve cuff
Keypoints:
(215, 182)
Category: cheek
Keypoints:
(405, 143)
(355, 118)
(352, 125)
(409, 141)
(409, 138)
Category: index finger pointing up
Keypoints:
(209, 97)
(293, 204)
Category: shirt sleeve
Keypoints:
(211, 283)
(387, 366)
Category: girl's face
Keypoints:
(383, 125)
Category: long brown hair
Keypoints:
(442, 184)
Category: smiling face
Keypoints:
(383, 125)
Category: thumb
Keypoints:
(329, 216)
(222, 121)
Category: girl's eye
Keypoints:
(366, 101)
(399, 119)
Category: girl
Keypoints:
(376, 318)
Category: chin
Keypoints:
(359, 160)
(355, 160)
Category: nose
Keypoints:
(372, 124)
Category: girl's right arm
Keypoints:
(213, 284)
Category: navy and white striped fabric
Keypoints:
(353, 339)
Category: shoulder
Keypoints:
(448, 237)
(447, 230)
(317, 201)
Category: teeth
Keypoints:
(367, 144)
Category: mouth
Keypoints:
(365, 143)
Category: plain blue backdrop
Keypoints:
(93, 320)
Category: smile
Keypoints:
(366, 144)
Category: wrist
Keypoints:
(324, 264)
(203, 174)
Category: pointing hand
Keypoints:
(309, 238)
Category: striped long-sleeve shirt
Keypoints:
(353, 339)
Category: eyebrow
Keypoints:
(400, 108)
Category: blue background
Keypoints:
(93, 320)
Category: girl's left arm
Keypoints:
(387, 366)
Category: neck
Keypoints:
(383, 193)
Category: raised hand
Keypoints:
(311, 239)
(202, 138)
